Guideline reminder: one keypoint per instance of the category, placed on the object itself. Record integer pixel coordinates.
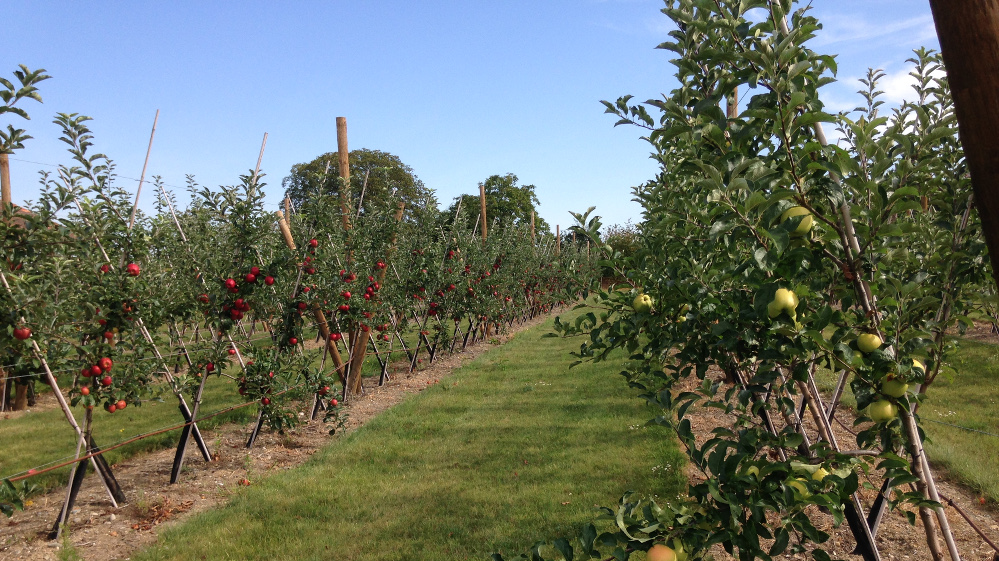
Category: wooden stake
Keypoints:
(558, 240)
(344, 153)
(482, 200)
(142, 178)
(732, 109)
(5, 179)
(334, 351)
(532, 227)
(285, 230)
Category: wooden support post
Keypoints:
(558, 240)
(732, 109)
(285, 230)
(5, 179)
(968, 31)
(533, 239)
(344, 153)
(482, 201)
(334, 351)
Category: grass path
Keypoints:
(512, 448)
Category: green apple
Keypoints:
(683, 313)
(919, 367)
(784, 301)
(820, 474)
(894, 388)
(806, 223)
(882, 411)
(800, 487)
(642, 303)
(868, 342)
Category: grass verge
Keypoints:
(514, 447)
(39, 437)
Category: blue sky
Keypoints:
(458, 90)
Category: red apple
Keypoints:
(292, 341)
(106, 381)
(22, 333)
(268, 280)
(230, 283)
(105, 364)
(84, 390)
(121, 404)
(250, 277)
(96, 370)
(266, 401)
(133, 269)
(210, 367)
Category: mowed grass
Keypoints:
(512, 448)
(38, 438)
(967, 397)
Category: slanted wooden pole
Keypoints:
(260, 158)
(142, 178)
(968, 31)
(482, 201)
(532, 227)
(5, 179)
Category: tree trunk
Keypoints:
(968, 31)
(21, 398)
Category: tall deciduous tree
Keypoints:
(382, 176)
(512, 204)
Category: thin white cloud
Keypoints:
(838, 28)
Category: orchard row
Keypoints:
(115, 312)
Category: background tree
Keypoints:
(387, 178)
(512, 204)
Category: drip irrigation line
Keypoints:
(962, 428)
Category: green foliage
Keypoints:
(507, 203)
(717, 244)
(380, 175)
(13, 139)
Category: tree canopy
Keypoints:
(512, 204)
(382, 177)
